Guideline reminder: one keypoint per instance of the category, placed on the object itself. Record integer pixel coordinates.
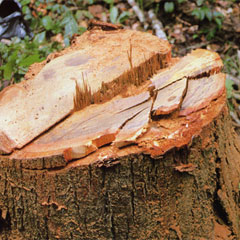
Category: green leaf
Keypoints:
(70, 24)
(47, 22)
(26, 62)
(198, 13)
(78, 14)
(209, 15)
(217, 14)
(113, 14)
(55, 8)
(40, 38)
(229, 86)
(109, 2)
(66, 41)
(181, 1)
(210, 33)
(25, 2)
(219, 22)
(195, 36)
(123, 17)
(168, 7)
(7, 70)
(202, 14)
(81, 30)
(87, 14)
(27, 13)
(200, 2)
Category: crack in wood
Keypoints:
(174, 92)
(59, 88)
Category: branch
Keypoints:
(137, 10)
(157, 25)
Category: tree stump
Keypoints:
(113, 138)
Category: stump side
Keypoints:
(138, 197)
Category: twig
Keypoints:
(137, 10)
(236, 125)
(236, 95)
(234, 117)
(157, 25)
(199, 45)
(183, 21)
(234, 79)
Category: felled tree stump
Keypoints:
(114, 139)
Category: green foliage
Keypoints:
(114, 15)
(232, 67)
(20, 54)
(55, 19)
(168, 7)
(229, 87)
(205, 11)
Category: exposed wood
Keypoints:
(173, 131)
(198, 63)
(86, 131)
(135, 127)
(170, 98)
(122, 121)
(101, 65)
(201, 92)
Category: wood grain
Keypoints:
(196, 64)
(169, 98)
(85, 131)
(31, 107)
(201, 92)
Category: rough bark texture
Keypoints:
(132, 197)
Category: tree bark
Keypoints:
(131, 197)
(161, 164)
